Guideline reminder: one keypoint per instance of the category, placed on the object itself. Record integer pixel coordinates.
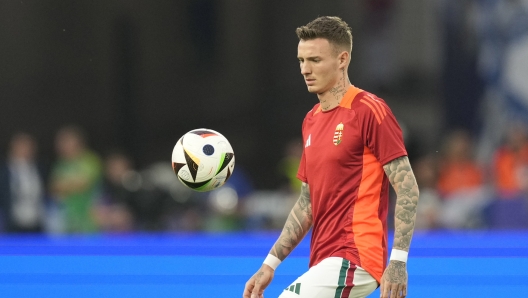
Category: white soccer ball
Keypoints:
(203, 159)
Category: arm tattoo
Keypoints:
(396, 273)
(297, 225)
(404, 183)
(258, 276)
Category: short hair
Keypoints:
(333, 29)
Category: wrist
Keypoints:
(399, 255)
(272, 261)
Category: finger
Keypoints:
(404, 290)
(261, 294)
(256, 291)
(400, 291)
(247, 290)
(247, 293)
(385, 290)
(393, 291)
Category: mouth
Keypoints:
(309, 82)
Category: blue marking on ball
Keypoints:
(208, 149)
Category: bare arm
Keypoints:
(404, 183)
(401, 176)
(297, 225)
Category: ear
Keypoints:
(343, 58)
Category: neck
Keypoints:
(332, 98)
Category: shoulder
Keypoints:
(366, 101)
(369, 105)
(314, 111)
(312, 114)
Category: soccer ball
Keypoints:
(203, 159)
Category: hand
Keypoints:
(256, 285)
(394, 280)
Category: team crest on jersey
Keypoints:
(338, 134)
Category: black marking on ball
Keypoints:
(228, 175)
(208, 149)
(193, 167)
(177, 166)
(195, 185)
(227, 159)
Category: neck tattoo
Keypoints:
(338, 92)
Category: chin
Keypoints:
(313, 89)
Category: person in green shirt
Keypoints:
(75, 180)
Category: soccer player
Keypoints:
(353, 149)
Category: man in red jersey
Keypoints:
(353, 149)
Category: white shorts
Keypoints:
(332, 278)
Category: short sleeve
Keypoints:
(380, 130)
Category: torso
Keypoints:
(342, 164)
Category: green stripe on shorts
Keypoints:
(342, 278)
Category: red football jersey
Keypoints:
(342, 162)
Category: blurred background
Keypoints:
(94, 95)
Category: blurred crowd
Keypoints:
(459, 192)
(82, 191)
(477, 178)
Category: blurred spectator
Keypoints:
(266, 209)
(120, 188)
(163, 203)
(22, 194)
(289, 164)
(75, 180)
(458, 169)
(509, 210)
(428, 212)
(141, 201)
(461, 184)
(226, 204)
(509, 162)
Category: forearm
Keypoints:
(297, 224)
(404, 183)
(404, 221)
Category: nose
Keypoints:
(305, 68)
